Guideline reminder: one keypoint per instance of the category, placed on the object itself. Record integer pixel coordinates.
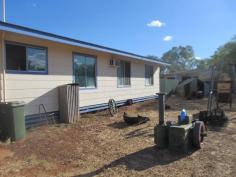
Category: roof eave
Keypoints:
(60, 39)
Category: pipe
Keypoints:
(233, 78)
(209, 104)
(3, 80)
(161, 98)
(3, 10)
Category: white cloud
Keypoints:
(168, 38)
(198, 58)
(156, 23)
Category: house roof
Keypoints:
(70, 41)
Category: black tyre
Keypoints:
(199, 131)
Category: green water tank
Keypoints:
(12, 120)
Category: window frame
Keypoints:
(73, 65)
(145, 78)
(123, 86)
(10, 71)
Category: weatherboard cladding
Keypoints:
(43, 89)
(57, 38)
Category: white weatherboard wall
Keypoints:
(43, 89)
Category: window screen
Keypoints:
(85, 70)
(15, 57)
(123, 73)
(148, 75)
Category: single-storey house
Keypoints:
(33, 64)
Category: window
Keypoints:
(85, 70)
(148, 75)
(24, 58)
(123, 73)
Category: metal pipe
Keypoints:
(233, 78)
(209, 104)
(3, 80)
(161, 98)
(3, 10)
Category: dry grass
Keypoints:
(106, 146)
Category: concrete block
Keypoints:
(179, 137)
(161, 136)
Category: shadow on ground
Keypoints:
(118, 125)
(148, 107)
(217, 127)
(144, 132)
(141, 160)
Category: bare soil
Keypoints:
(100, 145)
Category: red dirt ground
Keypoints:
(100, 145)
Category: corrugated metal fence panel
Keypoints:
(168, 85)
(69, 103)
(62, 102)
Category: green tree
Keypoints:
(203, 64)
(181, 58)
(225, 55)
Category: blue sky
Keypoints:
(146, 27)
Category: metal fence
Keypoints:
(168, 85)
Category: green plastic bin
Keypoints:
(12, 120)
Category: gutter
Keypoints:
(70, 41)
